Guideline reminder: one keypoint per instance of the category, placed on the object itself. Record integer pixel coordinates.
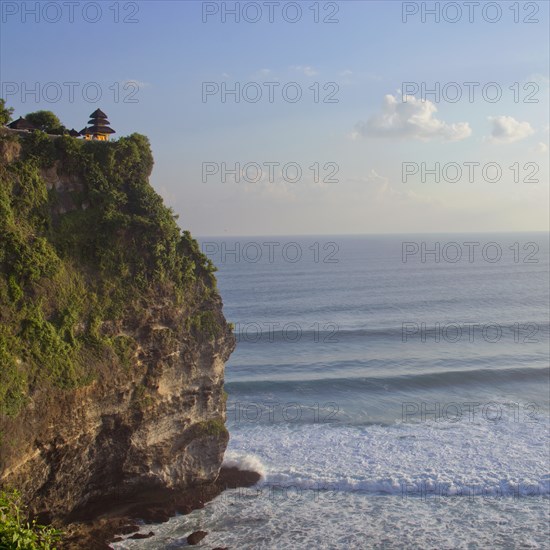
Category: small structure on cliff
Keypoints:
(99, 128)
(21, 124)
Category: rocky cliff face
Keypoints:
(146, 407)
(159, 423)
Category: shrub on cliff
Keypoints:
(17, 532)
(5, 112)
(46, 121)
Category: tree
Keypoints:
(5, 112)
(46, 121)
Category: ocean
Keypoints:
(393, 391)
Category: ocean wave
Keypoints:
(410, 330)
(397, 383)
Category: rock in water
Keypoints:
(139, 536)
(196, 537)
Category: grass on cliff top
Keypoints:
(17, 532)
(71, 278)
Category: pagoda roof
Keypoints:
(73, 133)
(97, 129)
(100, 121)
(21, 124)
(98, 113)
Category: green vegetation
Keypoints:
(125, 348)
(17, 532)
(212, 428)
(5, 112)
(204, 323)
(142, 398)
(46, 121)
(77, 263)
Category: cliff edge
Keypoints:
(112, 336)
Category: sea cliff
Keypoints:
(112, 336)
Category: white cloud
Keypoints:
(541, 148)
(410, 118)
(507, 129)
(307, 70)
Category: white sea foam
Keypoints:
(493, 459)
(355, 520)
(245, 462)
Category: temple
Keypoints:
(22, 124)
(99, 127)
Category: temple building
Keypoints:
(99, 127)
(21, 124)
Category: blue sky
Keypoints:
(367, 132)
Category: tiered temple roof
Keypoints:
(99, 125)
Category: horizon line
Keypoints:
(508, 232)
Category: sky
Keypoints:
(306, 118)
